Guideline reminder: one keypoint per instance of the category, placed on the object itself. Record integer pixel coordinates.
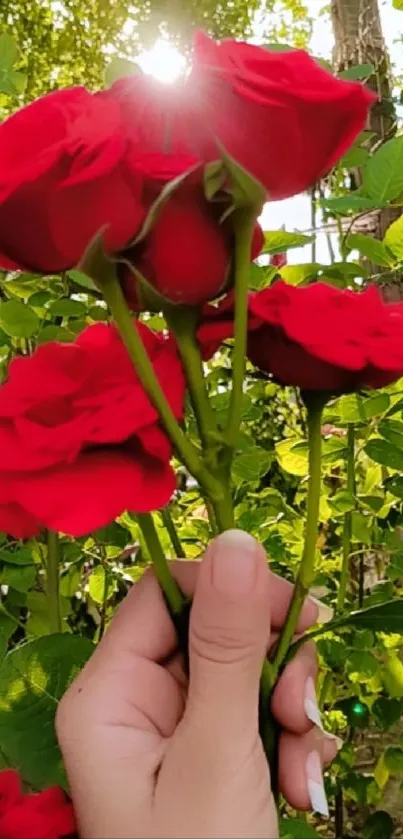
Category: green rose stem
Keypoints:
(244, 224)
(168, 523)
(128, 331)
(216, 487)
(183, 323)
(177, 603)
(348, 520)
(52, 582)
(315, 403)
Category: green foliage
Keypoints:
(360, 651)
(383, 174)
(296, 829)
(377, 825)
(33, 678)
(372, 248)
(12, 82)
(71, 43)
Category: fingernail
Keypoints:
(311, 704)
(234, 563)
(316, 789)
(325, 613)
(312, 711)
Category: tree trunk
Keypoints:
(359, 39)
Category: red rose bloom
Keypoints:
(278, 260)
(321, 338)
(64, 174)
(280, 115)
(42, 815)
(80, 441)
(186, 256)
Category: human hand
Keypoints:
(149, 754)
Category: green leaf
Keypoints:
(383, 174)
(372, 248)
(8, 51)
(119, 68)
(348, 204)
(22, 556)
(98, 313)
(38, 614)
(342, 502)
(251, 464)
(387, 617)
(393, 758)
(384, 617)
(355, 408)
(395, 566)
(364, 639)
(398, 4)
(39, 299)
(379, 825)
(18, 320)
(68, 308)
(392, 674)
(20, 577)
(100, 585)
(33, 678)
(385, 453)
(296, 274)
(381, 775)
(346, 270)
(278, 47)
(361, 529)
(386, 711)
(277, 241)
(81, 279)
(395, 486)
(51, 332)
(362, 662)
(354, 157)
(291, 459)
(296, 829)
(392, 430)
(12, 82)
(358, 72)
(393, 238)
(7, 627)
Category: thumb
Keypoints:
(229, 635)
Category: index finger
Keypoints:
(142, 624)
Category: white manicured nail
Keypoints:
(325, 612)
(312, 711)
(311, 704)
(316, 789)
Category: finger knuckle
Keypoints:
(218, 643)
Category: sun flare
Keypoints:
(163, 61)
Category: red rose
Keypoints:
(160, 119)
(321, 338)
(64, 174)
(278, 260)
(80, 441)
(280, 115)
(43, 815)
(186, 256)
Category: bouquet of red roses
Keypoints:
(155, 194)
